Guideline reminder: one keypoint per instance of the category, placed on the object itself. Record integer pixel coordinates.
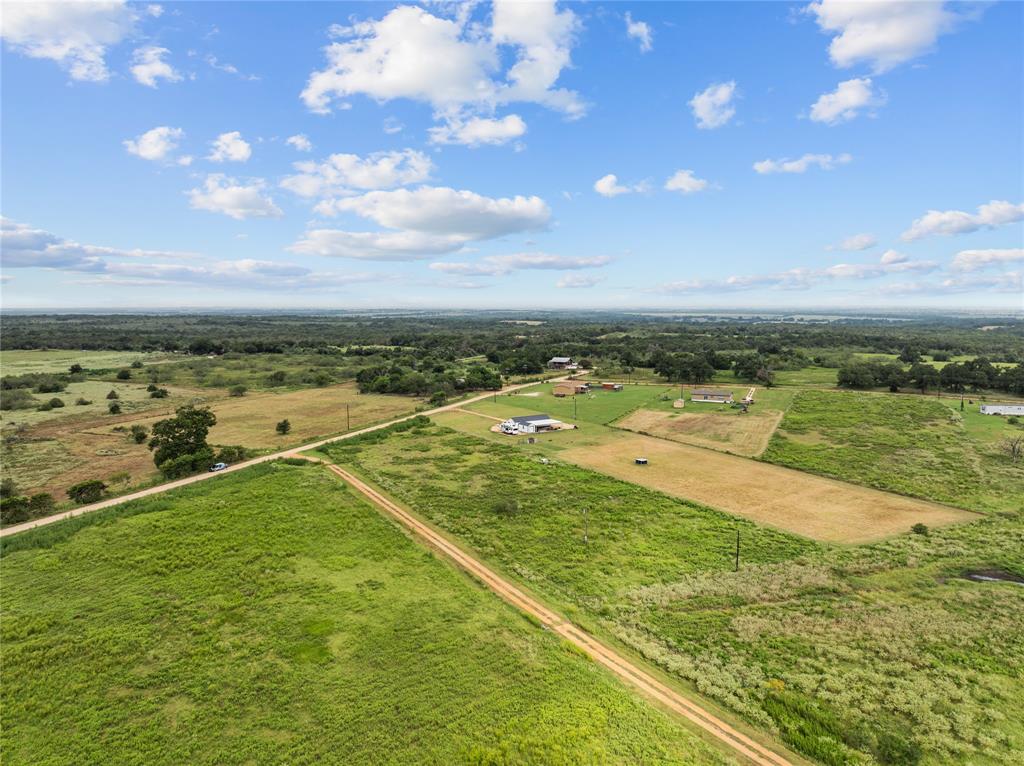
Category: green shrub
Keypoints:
(14, 510)
(124, 374)
(82, 401)
(187, 464)
(160, 393)
(55, 402)
(114, 408)
(231, 454)
(139, 433)
(283, 427)
(89, 491)
(41, 504)
(113, 394)
(238, 390)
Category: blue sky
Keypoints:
(524, 155)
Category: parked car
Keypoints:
(218, 466)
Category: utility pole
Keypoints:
(586, 526)
(737, 565)
(574, 406)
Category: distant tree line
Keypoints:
(973, 375)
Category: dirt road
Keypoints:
(609, 658)
(16, 528)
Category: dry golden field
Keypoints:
(745, 435)
(813, 506)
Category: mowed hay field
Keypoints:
(250, 420)
(809, 505)
(745, 435)
(870, 654)
(272, 616)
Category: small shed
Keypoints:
(640, 460)
(611, 386)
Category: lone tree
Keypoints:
(179, 443)
(75, 369)
(114, 408)
(1013, 446)
(113, 394)
(284, 427)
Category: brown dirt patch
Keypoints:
(813, 506)
(745, 435)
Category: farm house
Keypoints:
(1003, 408)
(711, 395)
(561, 363)
(530, 424)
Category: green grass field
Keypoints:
(879, 653)
(599, 407)
(910, 444)
(19, 362)
(273, 617)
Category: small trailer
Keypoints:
(640, 460)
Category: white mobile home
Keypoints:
(1004, 408)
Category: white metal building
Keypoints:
(1005, 408)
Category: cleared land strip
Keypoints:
(617, 663)
(16, 528)
(803, 503)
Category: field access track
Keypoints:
(618, 664)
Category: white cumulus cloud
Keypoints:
(444, 211)
(685, 182)
(949, 222)
(156, 145)
(460, 67)
(856, 242)
(845, 102)
(802, 164)
(342, 174)
(881, 33)
(974, 260)
(76, 35)
(639, 31)
(477, 131)
(375, 246)
(609, 186)
(236, 199)
(713, 107)
(148, 66)
(300, 142)
(230, 147)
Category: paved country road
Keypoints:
(16, 528)
(618, 664)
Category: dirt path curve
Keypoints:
(16, 528)
(621, 666)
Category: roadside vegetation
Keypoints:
(271, 616)
(879, 653)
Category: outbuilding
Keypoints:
(611, 386)
(530, 424)
(1002, 408)
(559, 362)
(719, 396)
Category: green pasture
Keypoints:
(853, 655)
(599, 406)
(915, 445)
(22, 362)
(132, 396)
(271, 616)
